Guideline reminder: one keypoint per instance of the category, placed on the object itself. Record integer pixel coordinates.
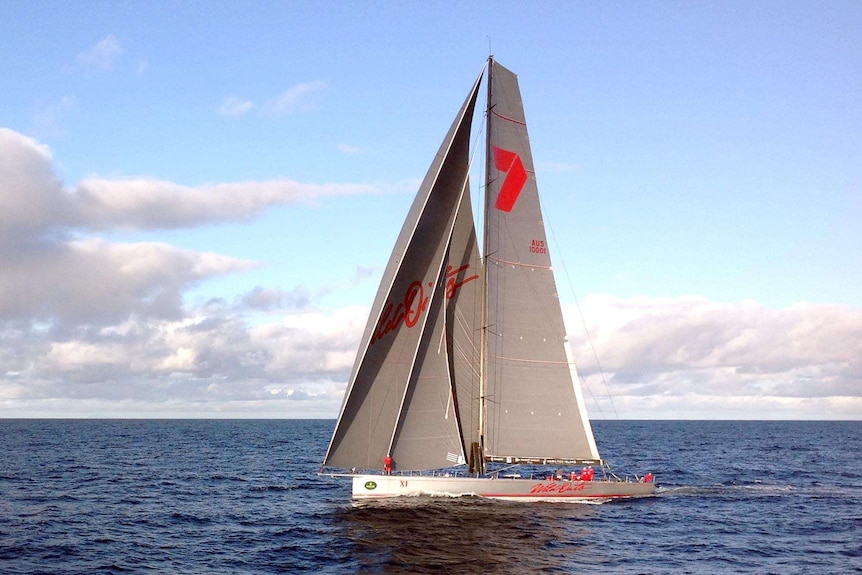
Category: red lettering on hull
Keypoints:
(557, 487)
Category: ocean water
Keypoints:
(187, 496)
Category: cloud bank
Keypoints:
(683, 357)
(93, 327)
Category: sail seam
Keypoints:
(508, 119)
(521, 360)
(507, 262)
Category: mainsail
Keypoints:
(462, 358)
(532, 412)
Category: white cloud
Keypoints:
(269, 299)
(102, 56)
(234, 106)
(721, 356)
(30, 196)
(295, 99)
(348, 149)
(93, 281)
(94, 327)
(33, 201)
(145, 203)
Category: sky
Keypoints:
(197, 199)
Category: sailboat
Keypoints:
(464, 382)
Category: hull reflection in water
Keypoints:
(467, 535)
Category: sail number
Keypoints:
(538, 247)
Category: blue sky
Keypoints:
(197, 199)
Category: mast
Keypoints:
(480, 449)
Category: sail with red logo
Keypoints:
(401, 398)
(464, 370)
(533, 411)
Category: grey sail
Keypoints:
(429, 434)
(464, 295)
(403, 342)
(531, 406)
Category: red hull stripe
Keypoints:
(555, 495)
(517, 495)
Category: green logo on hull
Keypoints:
(370, 485)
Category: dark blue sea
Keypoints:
(243, 496)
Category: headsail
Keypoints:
(441, 403)
(404, 339)
(532, 412)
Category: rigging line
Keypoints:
(584, 323)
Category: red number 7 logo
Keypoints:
(516, 177)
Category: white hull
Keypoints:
(384, 486)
